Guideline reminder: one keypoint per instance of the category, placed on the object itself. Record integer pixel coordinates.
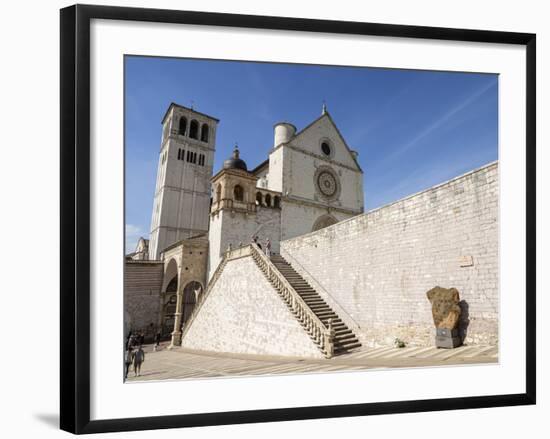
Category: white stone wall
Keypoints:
(237, 227)
(379, 265)
(244, 314)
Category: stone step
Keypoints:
(311, 297)
(343, 331)
(346, 346)
(320, 308)
(314, 302)
(328, 314)
(340, 349)
(346, 338)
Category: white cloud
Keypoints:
(132, 230)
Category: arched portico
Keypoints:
(323, 221)
(191, 294)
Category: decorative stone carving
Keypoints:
(446, 314)
(445, 309)
(327, 183)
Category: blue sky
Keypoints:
(412, 129)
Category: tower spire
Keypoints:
(324, 111)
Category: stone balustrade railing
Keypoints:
(322, 335)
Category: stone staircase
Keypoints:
(344, 338)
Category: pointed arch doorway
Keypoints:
(323, 221)
(191, 294)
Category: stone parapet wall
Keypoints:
(244, 314)
(379, 265)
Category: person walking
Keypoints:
(268, 248)
(157, 341)
(128, 359)
(128, 339)
(257, 242)
(139, 359)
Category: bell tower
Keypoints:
(182, 193)
(233, 211)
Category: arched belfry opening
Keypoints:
(238, 193)
(323, 221)
(183, 126)
(194, 129)
(204, 133)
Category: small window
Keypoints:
(183, 126)
(204, 133)
(188, 158)
(325, 147)
(218, 193)
(238, 193)
(194, 129)
(194, 157)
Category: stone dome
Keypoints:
(235, 162)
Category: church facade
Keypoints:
(310, 179)
(335, 279)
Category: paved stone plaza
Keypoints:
(188, 364)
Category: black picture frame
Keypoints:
(75, 217)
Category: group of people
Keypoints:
(135, 355)
(267, 249)
(255, 240)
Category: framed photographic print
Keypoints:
(268, 218)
